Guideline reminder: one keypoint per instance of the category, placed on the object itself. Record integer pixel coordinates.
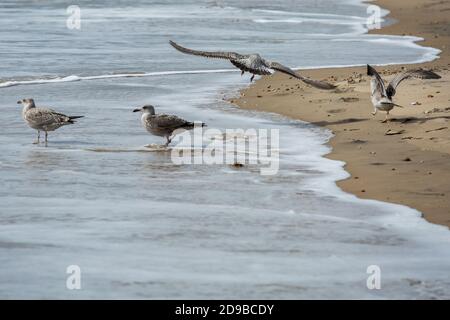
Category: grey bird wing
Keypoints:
(170, 122)
(46, 117)
(418, 73)
(315, 83)
(380, 88)
(207, 54)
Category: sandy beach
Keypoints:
(405, 161)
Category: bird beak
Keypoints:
(137, 110)
(19, 102)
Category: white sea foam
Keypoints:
(312, 15)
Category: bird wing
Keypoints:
(380, 88)
(165, 121)
(208, 54)
(45, 116)
(315, 83)
(418, 73)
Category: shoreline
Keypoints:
(411, 167)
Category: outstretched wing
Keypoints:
(418, 73)
(46, 117)
(208, 54)
(315, 83)
(379, 83)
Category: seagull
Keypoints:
(254, 64)
(162, 125)
(382, 95)
(44, 119)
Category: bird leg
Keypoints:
(253, 77)
(46, 137)
(374, 112)
(38, 138)
(242, 72)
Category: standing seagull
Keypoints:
(254, 64)
(382, 95)
(44, 119)
(162, 125)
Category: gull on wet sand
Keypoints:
(254, 64)
(44, 119)
(381, 95)
(162, 125)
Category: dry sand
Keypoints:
(411, 166)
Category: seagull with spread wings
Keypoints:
(254, 64)
(382, 95)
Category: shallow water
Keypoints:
(140, 226)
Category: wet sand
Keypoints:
(405, 161)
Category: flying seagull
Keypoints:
(382, 95)
(254, 64)
(44, 119)
(162, 125)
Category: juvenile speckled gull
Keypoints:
(381, 95)
(44, 119)
(162, 125)
(254, 64)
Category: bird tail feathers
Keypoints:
(75, 117)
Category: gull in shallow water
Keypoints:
(254, 64)
(44, 119)
(382, 95)
(162, 125)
